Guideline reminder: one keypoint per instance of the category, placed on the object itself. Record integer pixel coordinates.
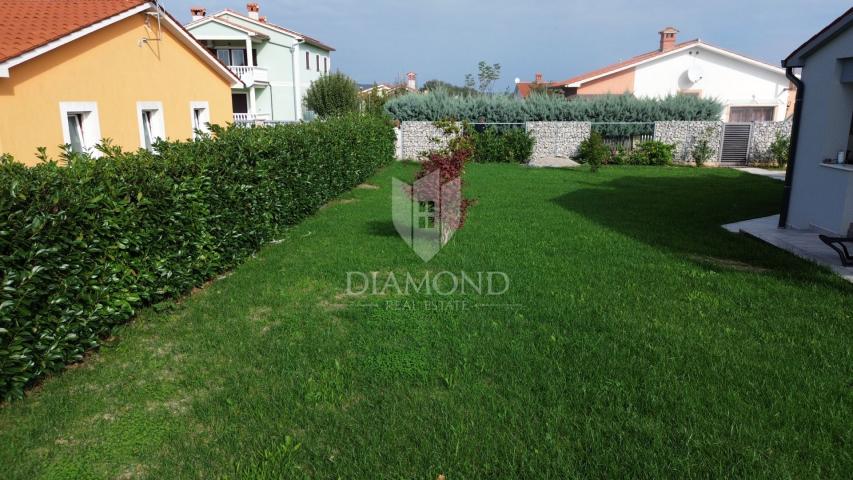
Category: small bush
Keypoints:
(593, 151)
(620, 156)
(492, 145)
(653, 153)
(780, 149)
(332, 95)
(702, 152)
(83, 246)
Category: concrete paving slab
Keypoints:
(803, 243)
(774, 174)
(553, 162)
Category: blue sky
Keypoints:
(380, 40)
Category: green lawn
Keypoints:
(637, 338)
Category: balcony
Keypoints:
(251, 75)
(252, 117)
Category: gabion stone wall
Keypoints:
(558, 139)
(685, 135)
(417, 138)
(562, 139)
(763, 134)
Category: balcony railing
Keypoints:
(251, 75)
(251, 117)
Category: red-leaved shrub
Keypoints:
(446, 188)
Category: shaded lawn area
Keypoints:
(648, 342)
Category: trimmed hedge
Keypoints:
(503, 108)
(83, 246)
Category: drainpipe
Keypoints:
(297, 96)
(792, 152)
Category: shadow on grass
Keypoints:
(382, 228)
(684, 215)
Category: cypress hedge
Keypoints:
(83, 246)
(440, 105)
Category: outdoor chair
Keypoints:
(839, 244)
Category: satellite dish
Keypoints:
(695, 73)
(517, 80)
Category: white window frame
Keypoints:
(158, 123)
(91, 124)
(205, 117)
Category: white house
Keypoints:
(749, 89)
(276, 64)
(383, 89)
(819, 189)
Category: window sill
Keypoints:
(845, 167)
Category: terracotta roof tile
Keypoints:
(524, 88)
(618, 65)
(28, 24)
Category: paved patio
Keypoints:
(802, 243)
(774, 174)
(553, 162)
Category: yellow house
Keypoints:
(77, 71)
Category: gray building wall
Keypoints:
(822, 196)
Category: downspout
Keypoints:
(297, 97)
(792, 150)
(272, 103)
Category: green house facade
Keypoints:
(275, 64)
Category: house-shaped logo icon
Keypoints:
(427, 213)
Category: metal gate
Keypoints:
(736, 138)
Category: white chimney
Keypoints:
(254, 11)
(198, 13)
(412, 81)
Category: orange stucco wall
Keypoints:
(618, 83)
(111, 68)
(792, 100)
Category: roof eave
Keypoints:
(192, 25)
(797, 57)
(290, 33)
(38, 50)
(170, 22)
(685, 46)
